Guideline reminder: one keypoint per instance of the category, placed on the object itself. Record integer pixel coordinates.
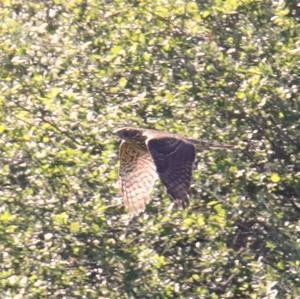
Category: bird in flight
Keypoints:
(146, 155)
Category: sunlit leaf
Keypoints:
(275, 177)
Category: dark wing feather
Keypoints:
(173, 159)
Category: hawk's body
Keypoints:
(148, 154)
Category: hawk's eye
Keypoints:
(127, 133)
(131, 134)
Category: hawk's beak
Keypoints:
(116, 131)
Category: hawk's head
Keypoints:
(128, 133)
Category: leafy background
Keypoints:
(73, 71)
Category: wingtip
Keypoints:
(182, 203)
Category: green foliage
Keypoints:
(73, 71)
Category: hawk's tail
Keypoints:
(205, 144)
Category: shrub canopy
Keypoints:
(73, 71)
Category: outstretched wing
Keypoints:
(137, 176)
(173, 158)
